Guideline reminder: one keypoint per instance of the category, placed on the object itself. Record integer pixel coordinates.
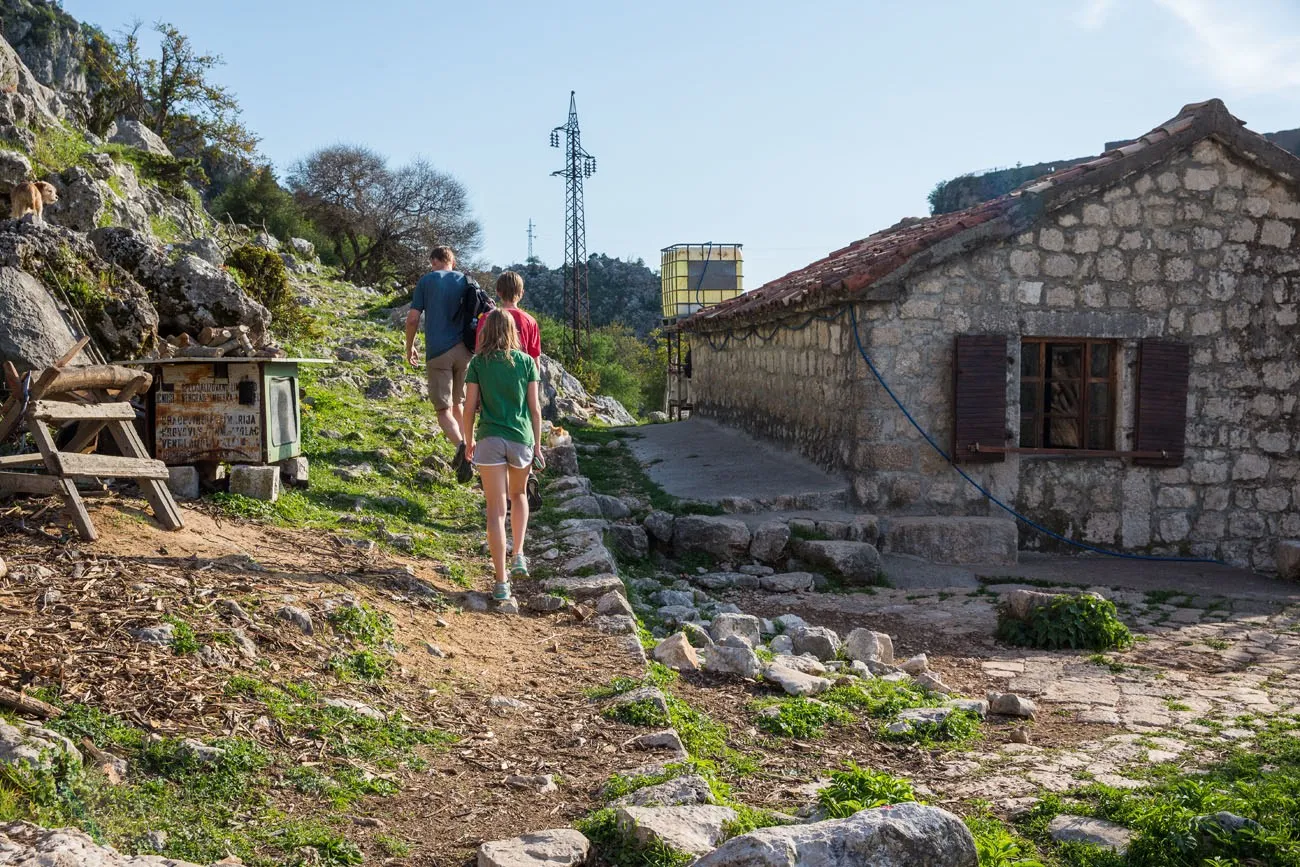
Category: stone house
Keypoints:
(1111, 349)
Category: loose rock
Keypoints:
(676, 652)
(795, 682)
(739, 661)
(743, 625)
(298, 617)
(1010, 704)
(694, 829)
(867, 646)
(1097, 832)
(820, 641)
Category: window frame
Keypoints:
(1041, 415)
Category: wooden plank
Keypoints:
(12, 382)
(32, 460)
(89, 430)
(76, 508)
(62, 410)
(28, 483)
(28, 705)
(157, 493)
(14, 406)
(1161, 403)
(78, 466)
(72, 353)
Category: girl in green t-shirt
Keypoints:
(502, 382)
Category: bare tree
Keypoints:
(382, 221)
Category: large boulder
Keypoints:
(134, 134)
(302, 248)
(49, 41)
(863, 645)
(1020, 604)
(724, 538)
(116, 309)
(82, 200)
(854, 562)
(740, 661)
(899, 836)
(189, 293)
(33, 331)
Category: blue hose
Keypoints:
(862, 350)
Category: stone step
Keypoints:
(955, 540)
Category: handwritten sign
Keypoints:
(199, 415)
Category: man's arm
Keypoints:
(412, 327)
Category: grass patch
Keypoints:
(362, 624)
(1068, 622)
(800, 718)
(879, 698)
(997, 845)
(1217, 643)
(855, 788)
(1113, 666)
(362, 665)
(617, 472)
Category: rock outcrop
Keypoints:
(189, 293)
(564, 399)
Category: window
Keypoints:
(1067, 394)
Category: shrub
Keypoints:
(855, 788)
(261, 273)
(1082, 622)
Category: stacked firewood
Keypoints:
(233, 342)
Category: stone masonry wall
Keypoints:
(795, 389)
(1203, 249)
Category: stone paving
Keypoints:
(1205, 672)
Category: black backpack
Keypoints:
(474, 305)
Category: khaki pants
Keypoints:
(446, 376)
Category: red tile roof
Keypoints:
(845, 273)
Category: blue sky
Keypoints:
(791, 128)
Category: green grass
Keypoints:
(855, 788)
(879, 698)
(184, 640)
(1260, 783)
(620, 850)
(208, 810)
(997, 845)
(362, 624)
(1106, 662)
(362, 665)
(799, 718)
(1217, 643)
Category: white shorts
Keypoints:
(495, 451)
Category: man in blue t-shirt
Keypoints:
(438, 296)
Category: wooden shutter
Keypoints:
(979, 397)
(1161, 420)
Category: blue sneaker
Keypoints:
(501, 592)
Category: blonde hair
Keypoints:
(510, 287)
(500, 334)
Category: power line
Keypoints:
(578, 165)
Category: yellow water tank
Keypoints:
(695, 276)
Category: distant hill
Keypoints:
(968, 190)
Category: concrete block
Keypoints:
(962, 541)
(293, 472)
(260, 483)
(1288, 559)
(183, 482)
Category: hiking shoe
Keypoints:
(519, 566)
(464, 469)
(501, 592)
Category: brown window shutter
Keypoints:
(979, 397)
(1162, 401)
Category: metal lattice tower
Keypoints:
(578, 165)
(531, 235)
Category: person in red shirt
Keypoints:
(510, 288)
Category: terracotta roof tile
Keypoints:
(862, 263)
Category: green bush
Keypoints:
(261, 273)
(616, 363)
(855, 788)
(1082, 622)
(256, 198)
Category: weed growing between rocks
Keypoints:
(620, 850)
(998, 846)
(1243, 810)
(263, 278)
(799, 718)
(616, 472)
(956, 729)
(855, 788)
(1075, 622)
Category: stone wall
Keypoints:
(796, 388)
(1202, 249)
